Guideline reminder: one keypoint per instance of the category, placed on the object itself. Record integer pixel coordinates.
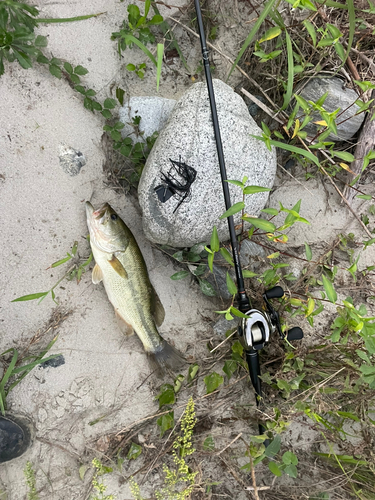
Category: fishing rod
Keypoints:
(256, 328)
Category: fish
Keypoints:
(120, 265)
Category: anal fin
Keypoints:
(123, 325)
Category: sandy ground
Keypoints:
(43, 213)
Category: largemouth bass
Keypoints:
(120, 265)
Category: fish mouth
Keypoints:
(98, 214)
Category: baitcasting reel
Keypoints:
(255, 330)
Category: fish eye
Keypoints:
(114, 217)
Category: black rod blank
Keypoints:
(244, 303)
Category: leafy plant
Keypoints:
(75, 271)
(29, 474)
(20, 372)
(178, 482)
(97, 481)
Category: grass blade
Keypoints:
(351, 12)
(289, 88)
(132, 38)
(253, 32)
(292, 149)
(6, 377)
(32, 296)
(160, 52)
(68, 19)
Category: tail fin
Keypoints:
(167, 357)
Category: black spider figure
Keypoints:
(177, 182)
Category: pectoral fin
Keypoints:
(124, 326)
(97, 275)
(118, 267)
(157, 308)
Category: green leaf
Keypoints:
(210, 261)
(343, 155)
(263, 224)
(308, 252)
(109, 103)
(232, 289)
(274, 468)
(207, 288)
(41, 41)
(364, 196)
(68, 19)
(289, 89)
(80, 70)
(32, 296)
(270, 211)
(311, 30)
(166, 395)
(214, 243)
(330, 291)
(293, 149)
(289, 458)
(273, 448)
(255, 189)
(165, 422)
(80, 89)
(159, 55)
(180, 275)
(209, 443)
(193, 370)
(55, 71)
(229, 368)
(237, 207)
(270, 34)
(157, 19)
(291, 470)
(213, 381)
(107, 114)
(130, 67)
(120, 95)
(22, 58)
(134, 40)
(82, 471)
(68, 67)
(134, 451)
(248, 274)
(178, 383)
(227, 256)
(267, 8)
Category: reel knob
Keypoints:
(274, 293)
(294, 334)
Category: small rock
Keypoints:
(338, 97)
(71, 160)
(54, 362)
(249, 250)
(154, 113)
(102, 444)
(185, 154)
(42, 415)
(141, 439)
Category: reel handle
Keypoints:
(295, 333)
(274, 293)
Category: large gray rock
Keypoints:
(154, 112)
(338, 97)
(189, 135)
